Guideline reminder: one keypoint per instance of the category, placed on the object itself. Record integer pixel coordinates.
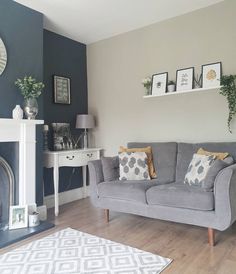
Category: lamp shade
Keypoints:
(85, 121)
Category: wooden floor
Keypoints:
(186, 245)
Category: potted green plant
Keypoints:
(31, 90)
(228, 89)
(171, 86)
(147, 83)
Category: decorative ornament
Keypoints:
(3, 57)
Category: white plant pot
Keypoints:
(171, 88)
(34, 219)
(17, 113)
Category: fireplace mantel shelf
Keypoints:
(21, 121)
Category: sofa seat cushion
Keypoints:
(125, 190)
(180, 195)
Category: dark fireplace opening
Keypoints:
(9, 195)
(7, 186)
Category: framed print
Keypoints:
(211, 74)
(159, 83)
(61, 90)
(18, 217)
(184, 79)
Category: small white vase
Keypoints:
(171, 88)
(17, 113)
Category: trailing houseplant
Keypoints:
(228, 89)
(30, 90)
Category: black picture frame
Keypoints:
(188, 86)
(159, 90)
(62, 90)
(215, 83)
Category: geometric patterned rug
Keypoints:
(70, 251)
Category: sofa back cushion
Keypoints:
(186, 151)
(164, 159)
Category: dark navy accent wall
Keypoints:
(64, 57)
(22, 32)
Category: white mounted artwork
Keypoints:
(159, 83)
(211, 75)
(3, 57)
(184, 79)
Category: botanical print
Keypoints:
(211, 75)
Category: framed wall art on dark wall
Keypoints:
(61, 90)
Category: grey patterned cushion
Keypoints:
(198, 169)
(216, 167)
(110, 168)
(133, 166)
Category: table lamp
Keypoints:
(85, 121)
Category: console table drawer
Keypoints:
(77, 159)
(89, 156)
(68, 160)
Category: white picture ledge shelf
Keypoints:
(182, 92)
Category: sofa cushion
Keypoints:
(186, 151)
(148, 151)
(126, 190)
(218, 165)
(164, 159)
(180, 195)
(110, 168)
(218, 155)
(133, 166)
(198, 169)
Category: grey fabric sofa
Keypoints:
(167, 197)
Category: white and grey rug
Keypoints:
(71, 251)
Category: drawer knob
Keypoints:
(70, 157)
(89, 155)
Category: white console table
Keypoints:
(69, 158)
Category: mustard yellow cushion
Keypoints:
(218, 155)
(148, 151)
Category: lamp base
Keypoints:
(85, 144)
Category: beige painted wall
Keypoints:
(116, 67)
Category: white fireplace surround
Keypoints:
(24, 132)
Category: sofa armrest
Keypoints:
(95, 176)
(225, 196)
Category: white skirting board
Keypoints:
(65, 197)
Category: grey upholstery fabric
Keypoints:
(225, 193)
(110, 168)
(125, 190)
(217, 166)
(164, 159)
(180, 195)
(95, 177)
(220, 218)
(186, 151)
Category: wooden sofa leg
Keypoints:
(107, 215)
(211, 236)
